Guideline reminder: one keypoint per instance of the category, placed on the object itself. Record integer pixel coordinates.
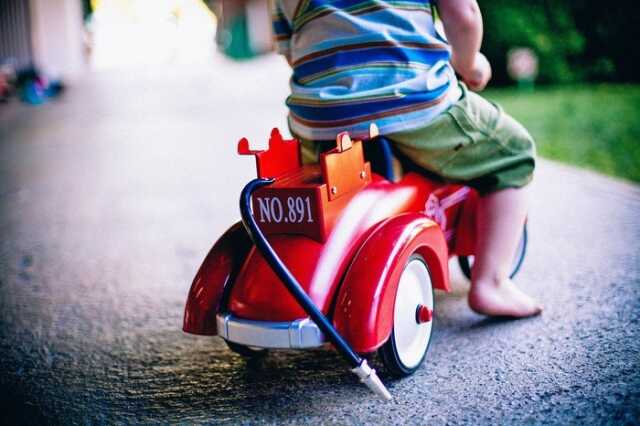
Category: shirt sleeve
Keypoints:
(281, 30)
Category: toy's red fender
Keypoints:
(364, 311)
(258, 294)
(218, 269)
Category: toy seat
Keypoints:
(306, 199)
(391, 163)
(379, 152)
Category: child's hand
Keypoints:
(478, 75)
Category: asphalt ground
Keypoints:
(111, 196)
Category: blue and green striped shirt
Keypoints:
(361, 62)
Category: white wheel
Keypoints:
(412, 319)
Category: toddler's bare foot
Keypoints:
(503, 299)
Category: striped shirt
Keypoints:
(360, 62)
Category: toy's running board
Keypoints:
(358, 365)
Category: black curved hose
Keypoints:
(387, 156)
(285, 275)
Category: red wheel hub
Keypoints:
(423, 314)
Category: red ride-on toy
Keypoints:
(335, 252)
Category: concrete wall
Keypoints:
(57, 37)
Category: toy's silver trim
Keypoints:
(299, 334)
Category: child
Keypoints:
(383, 61)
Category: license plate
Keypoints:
(280, 209)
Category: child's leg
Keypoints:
(501, 216)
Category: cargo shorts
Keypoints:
(474, 143)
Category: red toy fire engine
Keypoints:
(337, 252)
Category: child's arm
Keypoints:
(462, 23)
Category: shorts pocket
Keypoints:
(477, 116)
(436, 145)
(513, 137)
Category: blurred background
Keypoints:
(567, 69)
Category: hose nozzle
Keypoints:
(369, 377)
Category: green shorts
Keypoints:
(474, 143)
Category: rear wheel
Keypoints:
(246, 351)
(407, 346)
(466, 262)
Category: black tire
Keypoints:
(247, 351)
(466, 263)
(389, 353)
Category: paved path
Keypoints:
(110, 198)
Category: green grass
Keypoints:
(597, 126)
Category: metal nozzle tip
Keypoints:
(369, 377)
